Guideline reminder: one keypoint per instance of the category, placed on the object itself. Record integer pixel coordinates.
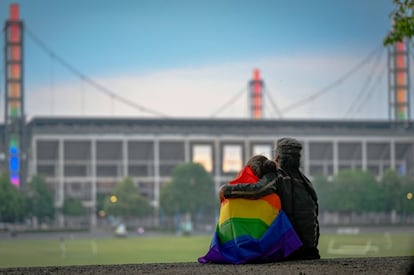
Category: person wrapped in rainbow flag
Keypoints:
(252, 231)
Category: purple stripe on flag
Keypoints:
(278, 242)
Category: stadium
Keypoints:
(82, 157)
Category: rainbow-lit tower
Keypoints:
(399, 81)
(14, 101)
(256, 96)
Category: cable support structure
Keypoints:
(335, 83)
(276, 108)
(373, 88)
(89, 80)
(366, 84)
(228, 103)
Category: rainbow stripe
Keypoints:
(252, 231)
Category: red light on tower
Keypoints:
(256, 102)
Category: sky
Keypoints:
(194, 59)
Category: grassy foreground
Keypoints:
(22, 253)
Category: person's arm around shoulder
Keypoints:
(265, 186)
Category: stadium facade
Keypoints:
(83, 157)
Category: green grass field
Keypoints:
(20, 253)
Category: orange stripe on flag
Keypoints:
(273, 200)
(249, 209)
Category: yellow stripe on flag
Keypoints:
(249, 209)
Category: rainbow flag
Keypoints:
(251, 231)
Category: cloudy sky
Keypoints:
(195, 58)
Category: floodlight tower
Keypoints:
(256, 95)
(399, 81)
(14, 100)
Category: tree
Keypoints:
(73, 207)
(100, 200)
(403, 22)
(126, 201)
(391, 192)
(40, 202)
(12, 205)
(326, 193)
(191, 190)
(355, 190)
(407, 195)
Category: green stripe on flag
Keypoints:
(236, 227)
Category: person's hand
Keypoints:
(221, 192)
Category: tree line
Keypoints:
(191, 191)
(359, 191)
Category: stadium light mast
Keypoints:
(14, 97)
(399, 81)
(256, 95)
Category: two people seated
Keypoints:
(268, 212)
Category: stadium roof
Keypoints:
(89, 125)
